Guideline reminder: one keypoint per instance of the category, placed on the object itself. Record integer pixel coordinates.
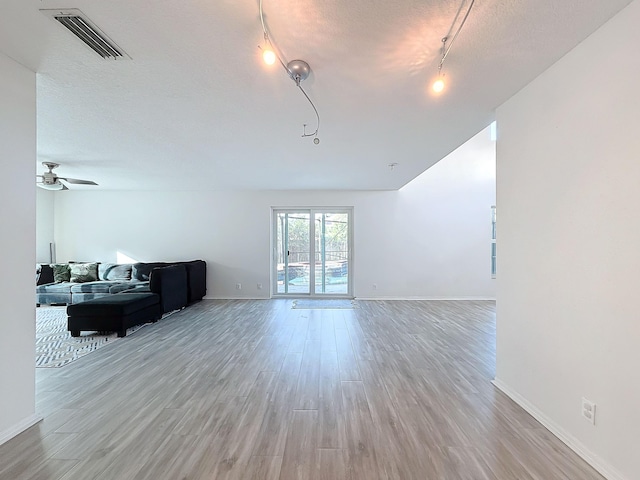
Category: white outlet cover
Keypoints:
(589, 411)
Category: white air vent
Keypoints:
(78, 24)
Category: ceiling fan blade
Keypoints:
(77, 181)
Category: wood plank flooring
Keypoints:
(257, 390)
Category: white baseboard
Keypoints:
(453, 299)
(572, 442)
(236, 298)
(19, 428)
(446, 299)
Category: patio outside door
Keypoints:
(312, 252)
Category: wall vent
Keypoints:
(78, 24)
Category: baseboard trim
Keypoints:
(236, 298)
(444, 299)
(19, 428)
(565, 437)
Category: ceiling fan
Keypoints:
(51, 181)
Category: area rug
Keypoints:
(55, 347)
(329, 303)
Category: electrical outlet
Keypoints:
(259, 286)
(589, 410)
(238, 286)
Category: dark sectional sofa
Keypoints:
(177, 283)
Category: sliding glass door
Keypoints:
(312, 252)
(293, 252)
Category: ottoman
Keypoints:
(113, 313)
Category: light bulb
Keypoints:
(438, 85)
(269, 57)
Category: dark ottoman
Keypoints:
(114, 313)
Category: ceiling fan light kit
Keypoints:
(52, 186)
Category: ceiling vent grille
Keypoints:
(78, 24)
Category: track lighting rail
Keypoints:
(297, 70)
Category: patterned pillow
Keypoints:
(114, 271)
(83, 272)
(61, 272)
(141, 271)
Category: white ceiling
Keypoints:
(196, 109)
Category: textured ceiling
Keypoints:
(196, 109)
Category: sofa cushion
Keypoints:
(62, 287)
(53, 298)
(114, 271)
(126, 286)
(83, 297)
(142, 271)
(140, 287)
(196, 279)
(61, 272)
(171, 284)
(44, 274)
(113, 305)
(93, 287)
(83, 272)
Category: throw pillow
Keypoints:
(83, 272)
(142, 271)
(61, 272)
(114, 272)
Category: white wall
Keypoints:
(44, 223)
(17, 247)
(429, 240)
(568, 184)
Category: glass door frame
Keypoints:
(311, 211)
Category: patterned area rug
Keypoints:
(313, 303)
(55, 347)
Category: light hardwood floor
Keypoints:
(257, 390)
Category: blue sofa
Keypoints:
(113, 278)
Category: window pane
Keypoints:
(292, 244)
(332, 253)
